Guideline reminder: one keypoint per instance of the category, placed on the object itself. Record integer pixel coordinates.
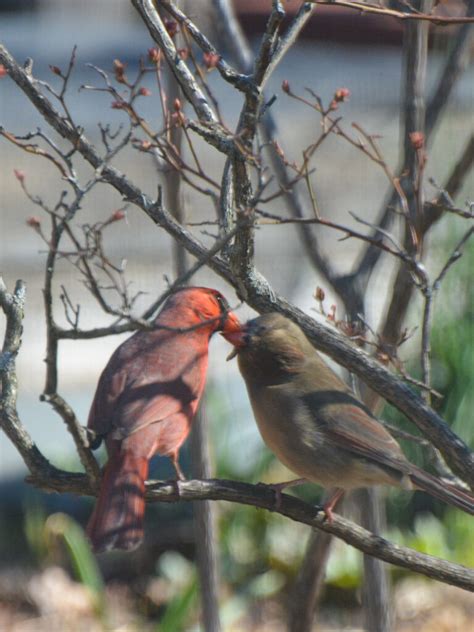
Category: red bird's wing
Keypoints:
(148, 403)
(123, 412)
(148, 379)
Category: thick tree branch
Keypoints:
(242, 53)
(13, 308)
(263, 496)
(238, 187)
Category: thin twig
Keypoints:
(185, 79)
(241, 82)
(366, 7)
(429, 292)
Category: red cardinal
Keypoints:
(144, 404)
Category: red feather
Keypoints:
(144, 404)
(117, 520)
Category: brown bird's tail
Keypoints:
(117, 519)
(443, 491)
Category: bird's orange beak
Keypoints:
(236, 336)
(231, 324)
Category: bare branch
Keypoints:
(50, 392)
(367, 7)
(34, 149)
(456, 64)
(291, 35)
(429, 292)
(270, 52)
(263, 496)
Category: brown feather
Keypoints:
(314, 423)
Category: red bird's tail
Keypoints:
(117, 519)
(443, 491)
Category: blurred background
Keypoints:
(260, 552)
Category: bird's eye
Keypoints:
(223, 304)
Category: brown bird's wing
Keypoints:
(354, 430)
(351, 427)
(377, 445)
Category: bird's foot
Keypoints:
(179, 472)
(331, 502)
(328, 515)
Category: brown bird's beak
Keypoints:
(237, 338)
(232, 354)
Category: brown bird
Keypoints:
(314, 423)
(144, 404)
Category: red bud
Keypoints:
(34, 222)
(119, 70)
(117, 215)
(154, 55)
(211, 60)
(3, 71)
(19, 175)
(172, 27)
(285, 86)
(417, 140)
(278, 149)
(342, 94)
